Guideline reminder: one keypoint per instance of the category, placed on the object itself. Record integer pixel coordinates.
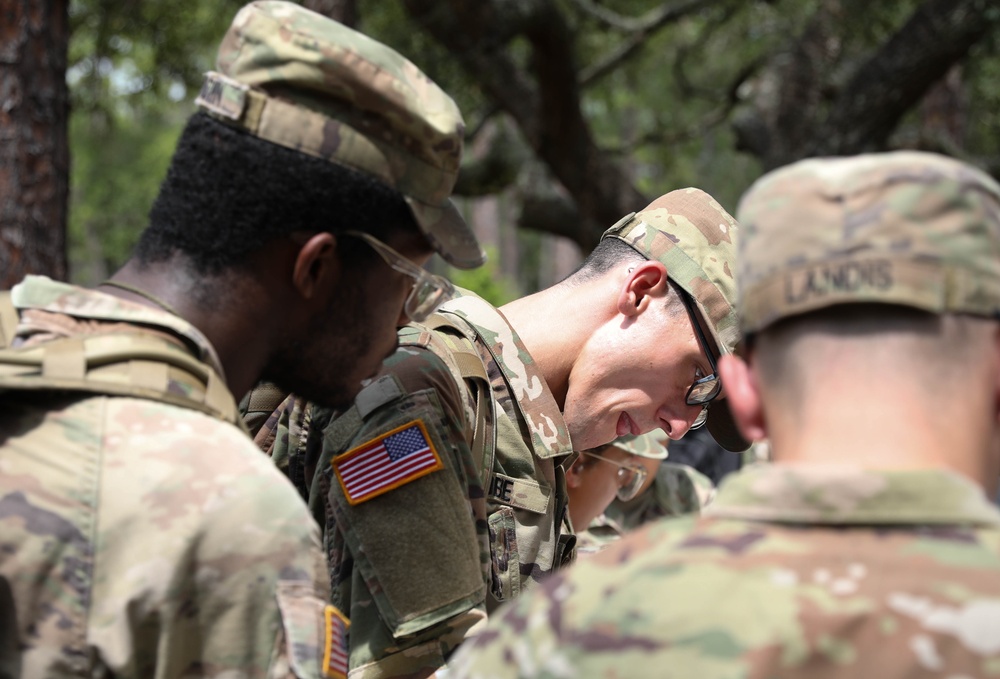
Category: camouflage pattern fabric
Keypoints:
(303, 81)
(141, 539)
(417, 568)
(677, 490)
(257, 407)
(908, 228)
(791, 572)
(649, 445)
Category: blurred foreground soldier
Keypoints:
(667, 489)
(869, 293)
(442, 490)
(141, 532)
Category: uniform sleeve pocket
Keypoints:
(505, 580)
(413, 539)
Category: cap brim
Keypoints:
(448, 233)
(723, 428)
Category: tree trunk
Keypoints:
(34, 153)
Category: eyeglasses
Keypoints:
(630, 477)
(704, 389)
(428, 292)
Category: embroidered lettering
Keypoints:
(848, 277)
(501, 489)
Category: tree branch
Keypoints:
(549, 213)
(641, 30)
(650, 21)
(687, 89)
(544, 102)
(497, 167)
(708, 121)
(939, 34)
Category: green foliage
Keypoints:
(664, 111)
(141, 54)
(131, 68)
(113, 180)
(486, 281)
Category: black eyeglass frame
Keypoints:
(712, 380)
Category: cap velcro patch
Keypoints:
(386, 462)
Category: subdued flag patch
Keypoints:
(335, 644)
(389, 461)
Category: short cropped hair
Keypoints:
(609, 253)
(228, 194)
(612, 252)
(881, 339)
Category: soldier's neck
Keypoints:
(225, 317)
(878, 434)
(554, 325)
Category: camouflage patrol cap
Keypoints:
(303, 81)
(649, 445)
(909, 228)
(695, 237)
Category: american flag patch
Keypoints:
(389, 461)
(334, 644)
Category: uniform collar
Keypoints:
(550, 437)
(849, 495)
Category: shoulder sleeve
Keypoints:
(407, 530)
(209, 550)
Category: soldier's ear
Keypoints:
(316, 263)
(644, 282)
(573, 475)
(743, 395)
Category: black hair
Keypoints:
(228, 194)
(612, 252)
(609, 253)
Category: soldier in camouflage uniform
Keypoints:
(669, 489)
(484, 402)
(619, 469)
(142, 534)
(870, 296)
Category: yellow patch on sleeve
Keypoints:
(335, 656)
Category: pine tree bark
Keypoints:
(34, 150)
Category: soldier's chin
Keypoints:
(335, 397)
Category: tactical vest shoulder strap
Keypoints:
(469, 365)
(8, 319)
(119, 364)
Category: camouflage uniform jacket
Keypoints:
(791, 572)
(143, 539)
(677, 490)
(418, 566)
